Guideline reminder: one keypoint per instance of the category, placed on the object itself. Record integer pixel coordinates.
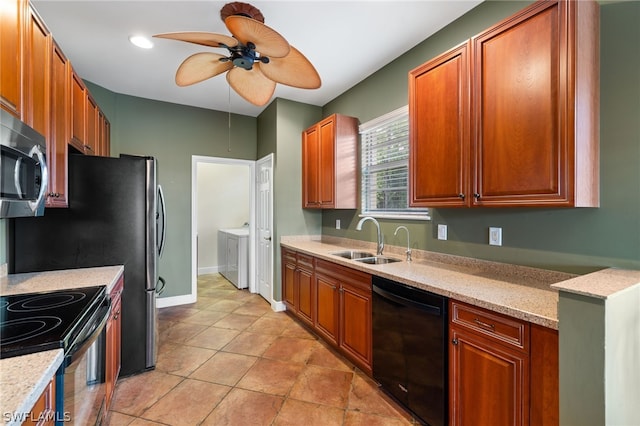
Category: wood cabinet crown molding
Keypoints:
(511, 117)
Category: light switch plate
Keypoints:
(337, 223)
(442, 232)
(495, 236)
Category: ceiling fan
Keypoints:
(258, 56)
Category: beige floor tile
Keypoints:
(323, 386)
(187, 404)
(271, 376)
(236, 321)
(118, 419)
(356, 418)
(183, 360)
(213, 338)
(224, 368)
(292, 349)
(250, 343)
(181, 332)
(136, 394)
(243, 407)
(295, 413)
(268, 325)
(205, 317)
(322, 356)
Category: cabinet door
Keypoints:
(310, 167)
(304, 283)
(36, 78)
(78, 112)
(11, 35)
(439, 131)
(288, 279)
(522, 82)
(489, 384)
(60, 119)
(326, 178)
(327, 302)
(355, 322)
(92, 126)
(43, 411)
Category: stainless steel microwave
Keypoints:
(23, 169)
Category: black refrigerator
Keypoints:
(116, 216)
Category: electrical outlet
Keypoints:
(442, 232)
(495, 236)
(337, 223)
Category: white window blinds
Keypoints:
(385, 166)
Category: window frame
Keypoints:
(408, 213)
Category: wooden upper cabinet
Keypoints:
(36, 77)
(536, 105)
(11, 38)
(78, 112)
(534, 117)
(329, 163)
(60, 121)
(92, 140)
(439, 130)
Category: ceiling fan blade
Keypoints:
(202, 38)
(268, 42)
(252, 84)
(293, 70)
(199, 67)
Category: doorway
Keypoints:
(223, 197)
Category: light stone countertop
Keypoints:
(23, 378)
(518, 291)
(22, 381)
(600, 284)
(35, 282)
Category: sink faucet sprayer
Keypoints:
(380, 238)
(408, 244)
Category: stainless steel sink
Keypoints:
(353, 254)
(377, 260)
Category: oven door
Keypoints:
(81, 391)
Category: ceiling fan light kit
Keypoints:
(259, 57)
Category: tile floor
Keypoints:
(230, 360)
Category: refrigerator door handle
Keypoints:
(163, 238)
(160, 287)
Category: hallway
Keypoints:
(230, 360)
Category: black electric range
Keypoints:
(34, 322)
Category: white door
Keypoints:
(264, 223)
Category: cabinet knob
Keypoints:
(454, 341)
(476, 196)
(461, 195)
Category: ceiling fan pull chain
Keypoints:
(229, 119)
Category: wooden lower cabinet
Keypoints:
(113, 333)
(334, 301)
(297, 284)
(44, 410)
(502, 371)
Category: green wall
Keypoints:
(173, 133)
(571, 240)
(279, 131)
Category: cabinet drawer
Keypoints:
(305, 261)
(501, 328)
(289, 256)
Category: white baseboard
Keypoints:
(165, 302)
(278, 306)
(208, 270)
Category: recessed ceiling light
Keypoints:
(141, 41)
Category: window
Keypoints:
(385, 167)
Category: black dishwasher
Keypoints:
(409, 348)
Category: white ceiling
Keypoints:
(345, 40)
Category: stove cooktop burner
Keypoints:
(42, 302)
(35, 322)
